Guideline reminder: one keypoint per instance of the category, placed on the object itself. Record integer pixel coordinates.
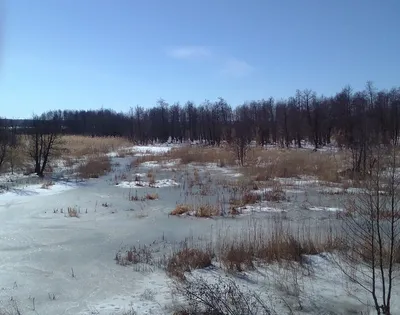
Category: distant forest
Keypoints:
(351, 118)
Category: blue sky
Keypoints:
(85, 54)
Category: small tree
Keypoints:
(372, 232)
(240, 141)
(44, 140)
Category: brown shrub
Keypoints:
(73, 213)
(238, 258)
(135, 255)
(187, 260)
(274, 244)
(276, 194)
(181, 209)
(151, 196)
(207, 211)
(95, 167)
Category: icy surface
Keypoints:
(44, 252)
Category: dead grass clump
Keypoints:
(274, 244)
(95, 167)
(187, 260)
(207, 211)
(250, 198)
(276, 194)
(151, 196)
(135, 255)
(181, 209)
(238, 258)
(79, 146)
(73, 213)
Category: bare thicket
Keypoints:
(372, 229)
(224, 296)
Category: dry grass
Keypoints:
(277, 194)
(267, 164)
(79, 146)
(95, 167)
(181, 209)
(135, 255)
(262, 164)
(201, 210)
(187, 260)
(273, 244)
(73, 212)
(193, 154)
(151, 196)
(207, 211)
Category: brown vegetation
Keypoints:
(73, 212)
(95, 167)
(79, 146)
(186, 260)
(181, 209)
(201, 210)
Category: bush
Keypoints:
(224, 297)
(95, 167)
(187, 260)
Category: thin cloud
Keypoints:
(237, 68)
(189, 52)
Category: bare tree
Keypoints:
(372, 232)
(44, 140)
(4, 141)
(240, 141)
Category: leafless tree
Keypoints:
(4, 141)
(372, 232)
(44, 140)
(240, 141)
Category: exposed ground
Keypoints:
(115, 229)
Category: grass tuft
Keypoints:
(187, 260)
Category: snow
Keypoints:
(150, 150)
(163, 164)
(38, 190)
(40, 249)
(332, 209)
(160, 183)
(258, 208)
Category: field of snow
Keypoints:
(52, 262)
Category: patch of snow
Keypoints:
(258, 208)
(151, 164)
(161, 183)
(332, 209)
(149, 150)
(163, 164)
(36, 190)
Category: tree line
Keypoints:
(354, 119)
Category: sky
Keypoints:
(88, 54)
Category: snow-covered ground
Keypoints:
(55, 263)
